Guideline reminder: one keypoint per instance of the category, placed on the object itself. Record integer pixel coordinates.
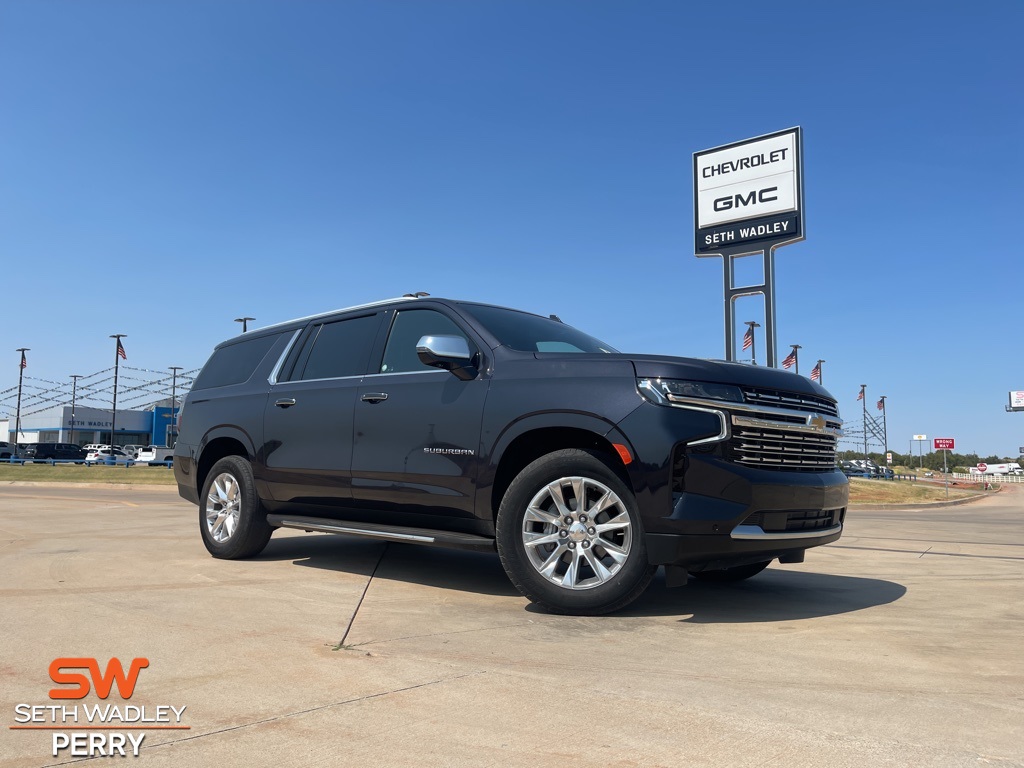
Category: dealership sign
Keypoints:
(748, 196)
(1017, 400)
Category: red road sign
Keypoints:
(982, 466)
(944, 443)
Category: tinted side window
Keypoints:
(235, 363)
(409, 327)
(341, 348)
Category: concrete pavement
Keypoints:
(898, 645)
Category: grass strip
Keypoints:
(79, 473)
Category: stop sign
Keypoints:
(982, 467)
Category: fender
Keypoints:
(233, 432)
(226, 430)
(490, 456)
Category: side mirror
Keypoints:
(450, 353)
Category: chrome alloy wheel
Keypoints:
(223, 506)
(577, 533)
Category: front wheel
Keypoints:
(570, 536)
(232, 520)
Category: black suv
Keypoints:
(41, 451)
(447, 422)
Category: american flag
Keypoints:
(881, 405)
(790, 360)
(120, 351)
(816, 373)
(24, 362)
(860, 395)
(748, 338)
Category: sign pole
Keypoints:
(769, 307)
(748, 200)
(945, 469)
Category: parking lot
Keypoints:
(899, 645)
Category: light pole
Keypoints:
(864, 404)
(21, 373)
(245, 322)
(174, 391)
(885, 430)
(74, 392)
(751, 325)
(118, 355)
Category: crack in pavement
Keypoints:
(926, 552)
(356, 700)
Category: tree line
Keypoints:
(932, 460)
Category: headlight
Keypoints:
(666, 391)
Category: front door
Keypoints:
(417, 428)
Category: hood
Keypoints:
(722, 372)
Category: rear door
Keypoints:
(307, 424)
(417, 428)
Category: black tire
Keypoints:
(626, 572)
(731, 575)
(233, 523)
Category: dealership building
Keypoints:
(92, 425)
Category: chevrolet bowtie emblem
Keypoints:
(816, 420)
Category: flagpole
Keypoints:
(821, 373)
(753, 342)
(21, 373)
(113, 412)
(796, 357)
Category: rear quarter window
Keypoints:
(234, 363)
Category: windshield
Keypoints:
(531, 333)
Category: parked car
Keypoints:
(94, 446)
(64, 451)
(109, 454)
(131, 449)
(886, 473)
(8, 450)
(473, 426)
(853, 471)
(155, 454)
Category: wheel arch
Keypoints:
(530, 442)
(216, 445)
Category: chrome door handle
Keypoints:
(285, 402)
(374, 397)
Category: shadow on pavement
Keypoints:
(454, 569)
(777, 594)
(774, 595)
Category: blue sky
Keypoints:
(166, 167)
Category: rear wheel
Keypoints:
(570, 536)
(731, 575)
(232, 520)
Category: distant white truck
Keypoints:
(154, 454)
(1011, 468)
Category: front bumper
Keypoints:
(725, 514)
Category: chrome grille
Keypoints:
(786, 431)
(794, 400)
(782, 449)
